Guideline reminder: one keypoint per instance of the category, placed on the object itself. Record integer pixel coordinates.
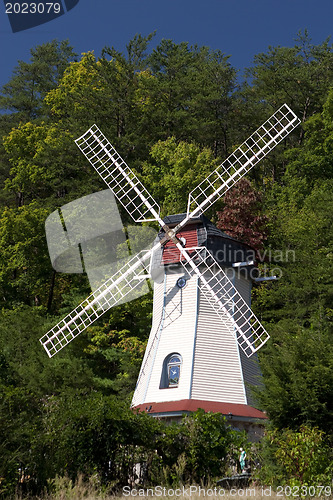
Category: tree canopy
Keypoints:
(174, 113)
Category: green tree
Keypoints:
(296, 458)
(26, 365)
(25, 92)
(301, 230)
(301, 250)
(20, 426)
(121, 73)
(24, 264)
(176, 168)
(198, 449)
(186, 92)
(314, 162)
(81, 94)
(297, 367)
(103, 91)
(88, 431)
(209, 442)
(296, 364)
(45, 166)
(299, 75)
(22, 98)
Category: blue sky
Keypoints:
(239, 28)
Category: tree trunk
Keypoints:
(49, 302)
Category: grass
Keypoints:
(64, 489)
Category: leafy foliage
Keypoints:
(296, 458)
(177, 168)
(297, 370)
(241, 217)
(25, 92)
(302, 75)
(173, 114)
(23, 263)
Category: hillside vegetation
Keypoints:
(174, 113)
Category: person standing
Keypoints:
(242, 458)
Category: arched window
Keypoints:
(174, 365)
(171, 371)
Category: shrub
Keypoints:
(301, 457)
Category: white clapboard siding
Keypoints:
(176, 334)
(217, 371)
(214, 368)
(152, 344)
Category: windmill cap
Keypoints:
(173, 220)
(226, 250)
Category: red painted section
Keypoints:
(190, 405)
(171, 254)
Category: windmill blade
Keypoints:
(256, 147)
(114, 290)
(225, 299)
(117, 175)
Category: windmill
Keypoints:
(197, 268)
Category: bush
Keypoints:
(198, 449)
(296, 458)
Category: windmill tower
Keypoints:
(193, 359)
(204, 332)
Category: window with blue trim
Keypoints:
(171, 371)
(174, 365)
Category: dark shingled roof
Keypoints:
(173, 220)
